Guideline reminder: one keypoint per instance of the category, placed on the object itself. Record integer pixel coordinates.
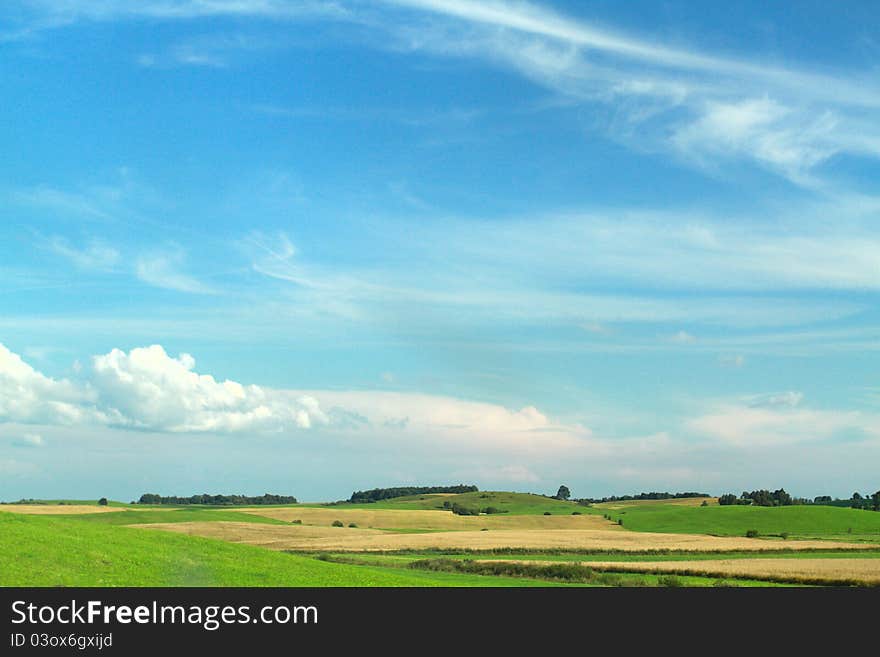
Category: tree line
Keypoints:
(217, 500)
(377, 494)
(779, 497)
(639, 496)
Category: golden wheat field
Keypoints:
(685, 501)
(58, 509)
(304, 537)
(424, 519)
(828, 571)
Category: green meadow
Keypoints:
(795, 521)
(508, 502)
(62, 551)
(109, 549)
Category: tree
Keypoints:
(103, 501)
(563, 493)
(727, 499)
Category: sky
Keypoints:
(309, 247)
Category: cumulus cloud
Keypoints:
(26, 395)
(146, 388)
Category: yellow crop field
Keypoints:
(421, 519)
(304, 537)
(58, 509)
(829, 571)
(685, 501)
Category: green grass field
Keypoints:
(98, 549)
(184, 514)
(56, 551)
(797, 521)
(512, 503)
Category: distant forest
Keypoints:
(376, 494)
(781, 498)
(217, 500)
(640, 496)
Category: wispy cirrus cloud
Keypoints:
(162, 268)
(703, 106)
(96, 254)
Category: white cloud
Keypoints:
(510, 278)
(707, 108)
(79, 204)
(95, 255)
(445, 423)
(28, 396)
(785, 118)
(30, 440)
(146, 388)
(732, 360)
(790, 398)
(683, 337)
(162, 269)
(782, 423)
(788, 140)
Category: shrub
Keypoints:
(705, 503)
(576, 513)
(784, 536)
(484, 529)
(492, 509)
(670, 581)
(352, 524)
(460, 510)
(752, 533)
(103, 501)
(296, 522)
(620, 521)
(547, 513)
(338, 523)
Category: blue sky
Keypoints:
(312, 247)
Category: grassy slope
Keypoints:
(55, 551)
(191, 514)
(513, 503)
(798, 521)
